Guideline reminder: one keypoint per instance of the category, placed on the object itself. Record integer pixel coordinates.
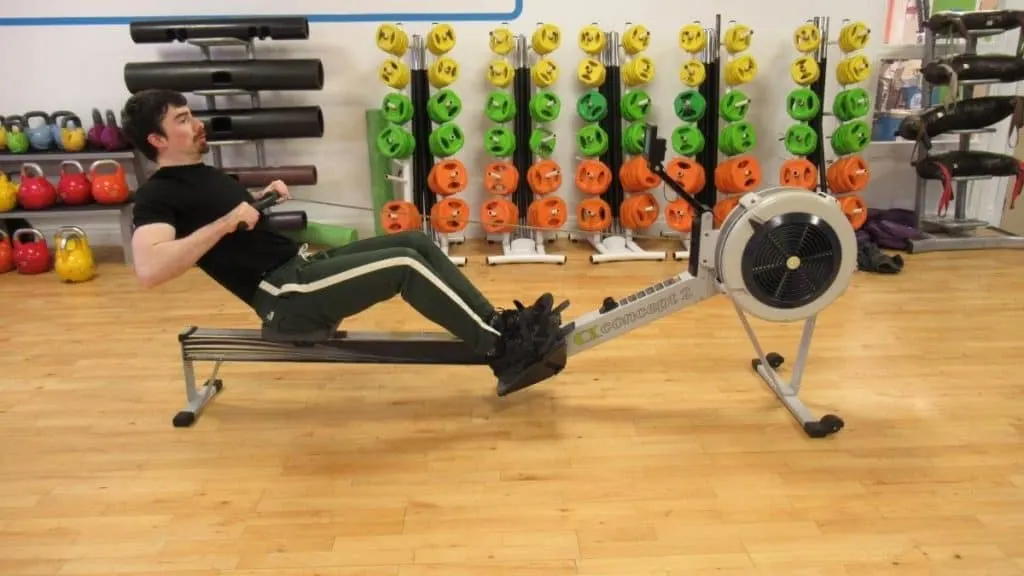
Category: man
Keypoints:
(188, 213)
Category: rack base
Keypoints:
(444, 242)
(683, 254)
(948, 240)
(523, 251)
(618, 248)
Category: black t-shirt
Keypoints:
(190, 197)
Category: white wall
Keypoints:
(43, 78)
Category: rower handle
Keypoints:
(261, 204)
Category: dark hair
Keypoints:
(142, 115)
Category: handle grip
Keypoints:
(264, 202)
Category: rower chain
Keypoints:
(518, 226)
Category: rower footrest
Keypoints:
(551, 364)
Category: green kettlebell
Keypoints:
(17, 139)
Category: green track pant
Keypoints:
(319, 290)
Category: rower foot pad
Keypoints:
(551, 364)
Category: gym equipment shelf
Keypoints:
(123, 211)
(958, 232)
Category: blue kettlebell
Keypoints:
(39, 136)
(56, 125)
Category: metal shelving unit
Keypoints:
(123, 211)
(958, 232)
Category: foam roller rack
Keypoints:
(237, 76)
(612, 172)
(523, 212)
(422, 135)
(848, 174)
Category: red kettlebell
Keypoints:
(35, 192)
(109, 188)
(6, 254)
(73, 187)
(32, 257)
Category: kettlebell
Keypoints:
(35, 192)
(74, 188)
(56, 121)
(3, 133)
(17, 140)
(39, 136)
(32, 256)
(73, 261)
(109, 188)
(8, 193)
(72, 135)
(6, 255)
(95, 136)
(112, 138)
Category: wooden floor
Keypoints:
(658, 453)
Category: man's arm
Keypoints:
(160, 258)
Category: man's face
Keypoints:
(184, 134)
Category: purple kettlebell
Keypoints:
(95, 136)
(113, 140)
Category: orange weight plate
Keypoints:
(799, 173)
(639, 211)
(856, 210)
(636, 177)
(738, 175)
(593, 177)
(547, 213)
(679, 215)
(501, 178)
(449, 215)
(544, 177)
(723, 208)
(848, 174)
(399, 216)
(593, 215)
(499, 215)
(686, 172)
(448, 177)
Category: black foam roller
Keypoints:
(284, 74)
(165, 31)
(291, 220)
(260, 123)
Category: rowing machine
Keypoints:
(782, 255)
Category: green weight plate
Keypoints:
(396, 108)
(500, 107)
(592, 140)
(851, 137)
(803, 104)
(542, 142)
(687, 140)
(444, 106)
(800, 140)
(545, 106)
(395, 142)
(851, 104)
(592, 106)
(733, 106)
(633, 138)
(690, 106)
(446, 140)
(500, 142)
(634, 105)
(737, 138)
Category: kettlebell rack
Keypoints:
(616, 243)
(212, 78)
(86, 157)
(525, 244)
(959, 232)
